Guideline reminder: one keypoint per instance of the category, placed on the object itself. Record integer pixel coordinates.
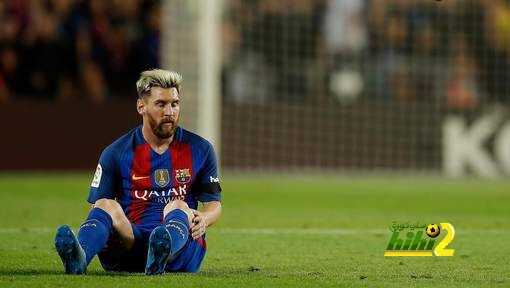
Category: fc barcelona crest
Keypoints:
(161, 177)
(182, 175)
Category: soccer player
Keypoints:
(145, 193)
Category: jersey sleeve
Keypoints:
(103, 183)
(207, 186)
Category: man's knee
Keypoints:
(120, 222)
(111, 207)
(181, 205)
(177, 204)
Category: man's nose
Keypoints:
(169, 110)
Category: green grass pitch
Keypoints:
(288, 231)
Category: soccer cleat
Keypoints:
(159, 251)
(70, 251)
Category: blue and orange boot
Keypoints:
(159, 252)
(70, 251)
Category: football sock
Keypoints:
(176, 223)
(94, 232)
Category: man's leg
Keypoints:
(77, 252)
(167, 240)
(189, 258)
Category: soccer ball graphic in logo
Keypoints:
(433, 230)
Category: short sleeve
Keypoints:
(103, 183)
(207, 185)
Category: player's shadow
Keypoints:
(14, 272)
(36, 272)
(27, 272)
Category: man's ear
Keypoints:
(140, 106)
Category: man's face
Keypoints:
(160, 110)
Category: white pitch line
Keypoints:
(335, 231)
(276, 231)
(247, 231)
(299, 231)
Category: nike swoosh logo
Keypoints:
(136, 178)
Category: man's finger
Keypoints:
(198, 231)
(197, 225)
(196, 235)
(194, 221)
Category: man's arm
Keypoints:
(104, 183)
(207, 216)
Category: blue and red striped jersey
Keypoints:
(143, 181)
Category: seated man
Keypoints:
(145, 193)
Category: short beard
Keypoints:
(160, 132)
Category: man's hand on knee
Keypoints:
(198, 225)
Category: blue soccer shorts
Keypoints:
(115, 258)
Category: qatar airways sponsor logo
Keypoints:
(161, 196)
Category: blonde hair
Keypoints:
(157, 78)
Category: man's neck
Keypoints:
(157, 144)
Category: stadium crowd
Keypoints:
(70, 49)
(455, 52)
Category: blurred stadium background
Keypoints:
(338, 85)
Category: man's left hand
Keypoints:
(198, 225)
